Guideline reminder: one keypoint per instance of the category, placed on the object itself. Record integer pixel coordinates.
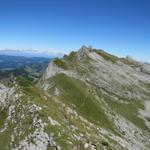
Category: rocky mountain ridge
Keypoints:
(111, 74)
(88, 100)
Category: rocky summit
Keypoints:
(88, 100)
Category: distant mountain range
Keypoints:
(30, 53)
(31, 67)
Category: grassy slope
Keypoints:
(60, 63)
(107, 56)
(50, 109)
(53, 109)
(3, 116)
(5, 136)
(76, 92)
(129, 111)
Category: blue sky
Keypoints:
(120, 27)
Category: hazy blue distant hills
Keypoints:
(30, 53)
(14, 62)
(32, 67)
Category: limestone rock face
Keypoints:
(124, 81)
(145, 68)
(123, 78)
